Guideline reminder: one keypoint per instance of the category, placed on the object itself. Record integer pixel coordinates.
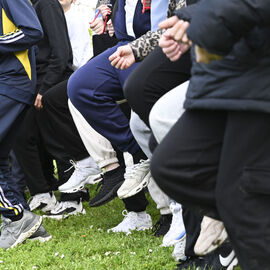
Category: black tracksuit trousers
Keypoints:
(218, 162)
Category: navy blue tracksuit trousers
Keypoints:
(11, 113)
(94, 90)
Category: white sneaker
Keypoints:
(177, 229)
(83, 174)
(65, 209)
(43, 201)
(179, 250)
(133, 221)
(212, 235)
(136, 177)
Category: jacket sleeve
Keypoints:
(145, 44)
(24, 29)
(54, 26)
(218, 25)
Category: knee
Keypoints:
(73, 88)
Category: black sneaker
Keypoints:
(221, 258)
(111, 182)
(188, 263)
(85, 195)
(162, 226)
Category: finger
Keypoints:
(182, 31)
(176, 57)
(113, 56)
(168, 23)
(115, 61)
(120, 62)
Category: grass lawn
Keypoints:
(82, 242)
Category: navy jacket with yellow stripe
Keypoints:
(19, 31)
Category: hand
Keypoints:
(203, 56)
(104, 10)
(110, 28)
(172, 49)
(38, 102)
(123, 57)
(97, 26)
(168, 23)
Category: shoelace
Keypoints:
(73, 165)
(141, 166)
(158, 225)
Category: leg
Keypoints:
(157, 75)
(244, 179)
(94, 90)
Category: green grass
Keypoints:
(82, 242)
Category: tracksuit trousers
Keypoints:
(217, 162)
(11, 116)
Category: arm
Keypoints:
(55, 29)
(22, 26)
(232, 18)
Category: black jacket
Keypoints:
(54, 59)
(240, 31)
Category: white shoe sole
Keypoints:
(26, 235)
(64, 216)
(136, 189)
(41, 239)
(173, 241)
(91, 179)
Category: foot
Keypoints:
(16, 232)
(220, 259)
(137, 177)
(111, 182)
(41, 235)
(65, 209)
(212, 235)
(177, 229)
(133, 221)
(83, 174)
(43, 201)
(179, 249)
(162, 225)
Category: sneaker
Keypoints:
(65, 209)
(16, 232)
(43, 201)
(177, 229)
(85, 195)
(133, 221)
(179, 249)
(81, 176)
(41, 234)
(162, 225)
(188, 263)
(111, 182)
(220, 259)
(137, 178)
(212, 235)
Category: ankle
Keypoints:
(111, 167)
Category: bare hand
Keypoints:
(123, 57)
(38, 102)
(203, 56)
(97, 26)
(104, 10)
(168, 23)
(110, 28)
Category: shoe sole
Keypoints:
(31, 231)
(88, 180)
(137, 189)
(41, 239)
(108, 197)
(218, 242)
(174, 241)
(64, 216)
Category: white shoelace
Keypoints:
(142, 166)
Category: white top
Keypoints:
(79, 37)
